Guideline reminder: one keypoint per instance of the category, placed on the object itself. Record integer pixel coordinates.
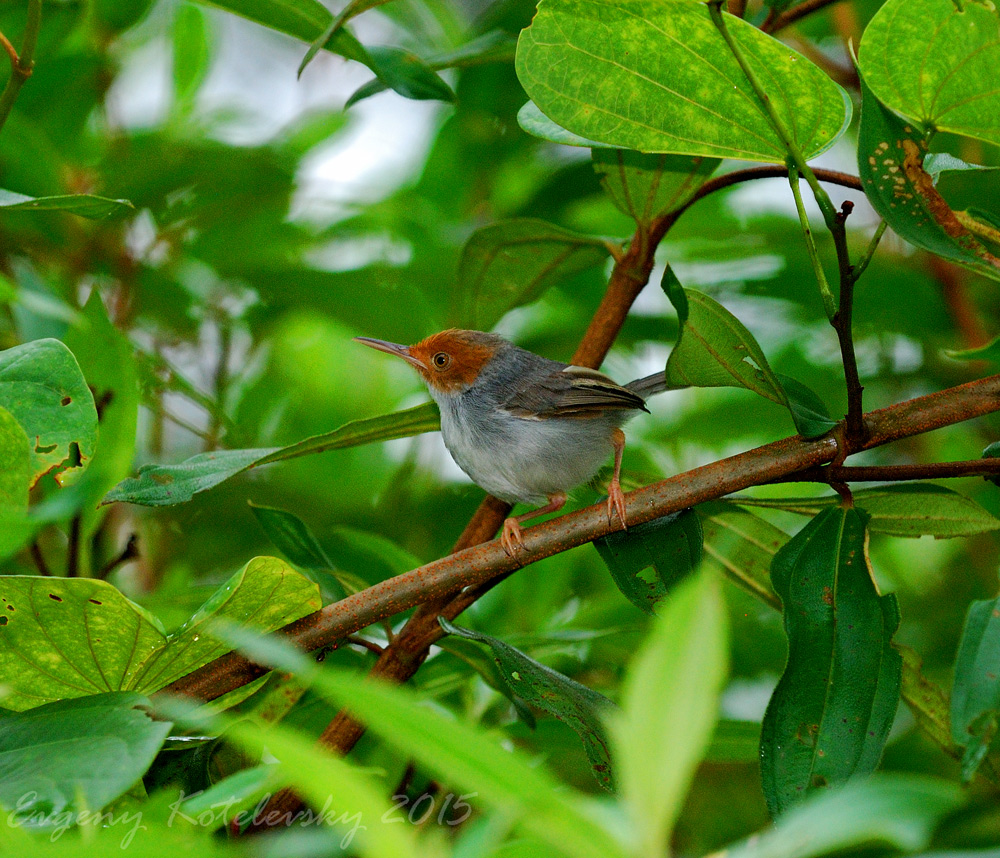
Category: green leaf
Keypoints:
(660, 78)
(512, 262)
(929, 704)
(166, 485)
(569, 701)
(191, 52)
(648, 560)
(76, 755)
(829, 716)
(741, 545)
(355, 7)
(890, 164)
(457, 752)
(532, 120)
(911, 509)
(648, 186)
(669, 708)
(72, 637)
(407, 74)
(42, 387)
(990, 352)
(292, 537)
(975, 696)
(809, 412)
(301, 19)
(15, 479)
(85, 205)
(892, 810)
(119, 15)
(714, 348)
(937, 63)
(734, 742)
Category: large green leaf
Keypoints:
(648, 560)
(660, 78)
(829, 716)
(15, 479)
(937, 63)
(75, 755)
(567, 700)
(165, 485)
(975, 696)
(84, 205)
(647, 186)
(669, 708)
(910, 509)
(512, 262)
(741, 545)
(891, 153)
(457, 752)
(895, 810)
(42, 387)
(74, 637)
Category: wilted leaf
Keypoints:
(569, 701)
(165, 485)
(75, 755)
(829, 716)
(73, 637)
(660, 78)
(937, 63)
(648, 560)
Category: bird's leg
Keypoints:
(511, 539)
(616, 500)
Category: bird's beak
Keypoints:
(393, 349)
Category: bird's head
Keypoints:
(449, 361)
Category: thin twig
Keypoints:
(39, 559)
(371, 646)
(790, 16)
(73, 546)
(11, 52)
(895, 473)
(129, 552)
(21, 64)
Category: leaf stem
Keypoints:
(859, 269)
(824, 287)
(21, 65)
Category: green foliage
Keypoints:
(975, 698)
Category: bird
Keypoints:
(523, 427)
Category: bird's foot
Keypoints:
(511, 538)
(616, 503)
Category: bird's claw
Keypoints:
(616, 503)
(511, 538)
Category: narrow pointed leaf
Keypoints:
(569, 701)
(88, 206)
(648, 560)
(809, 412)
(669, 708)
(355, 7)
(990, 352)
(937, 63)
(165, 485)
(660, 78)
(292, 537)
(829, 716)
(975, 696)
(73, 637)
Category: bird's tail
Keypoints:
(655, 383)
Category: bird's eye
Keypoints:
(441, 360)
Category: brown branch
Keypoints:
(15, 60)
(891, 473)
(790, 16)
(39, 559)
(475, 566)
(129, 552)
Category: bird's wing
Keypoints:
(573, 391)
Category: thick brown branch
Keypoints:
(475, 566)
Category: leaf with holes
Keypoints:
(75, 755)
(660, 78)
(74, 637)
(512, 262)
(911, 509)
(166, 485)
(890, 164)
(648, 186)
(937, 63)
(569, 701)
(975, 696)
(831, 711)
(648, 560)
(42, 387)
